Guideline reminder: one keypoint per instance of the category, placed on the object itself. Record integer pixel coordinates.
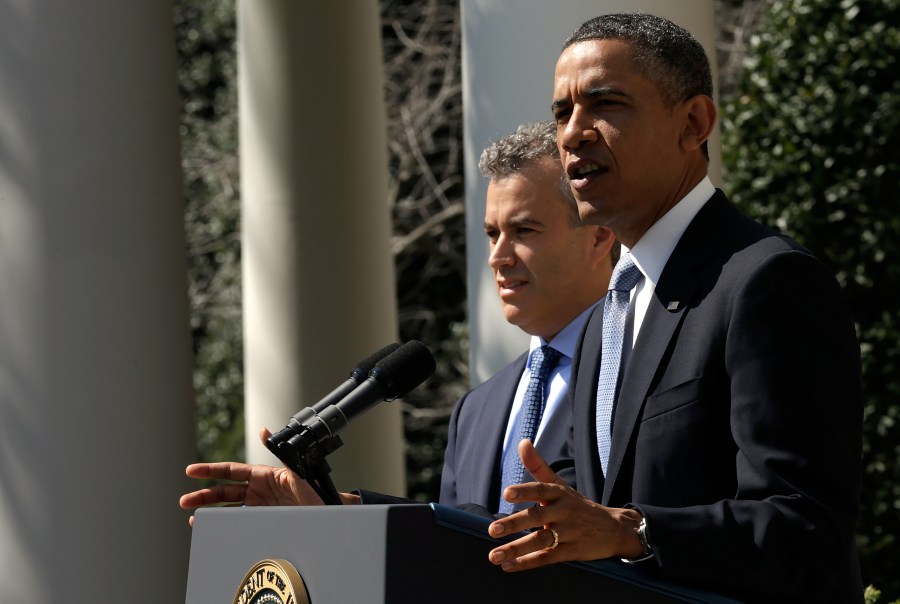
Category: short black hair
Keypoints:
(666, 53)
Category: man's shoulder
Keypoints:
(723, 250)
(739, 239)
(491, 395)
(509, 374)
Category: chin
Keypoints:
(511, 315)
(591, 212)
(588, 213)
(516, 319)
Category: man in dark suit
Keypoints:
(729, 457)
(550, 270)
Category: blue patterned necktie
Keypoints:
(543, 359)
(615, 310)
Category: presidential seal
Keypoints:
(272, 582)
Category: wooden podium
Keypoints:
(396, 554)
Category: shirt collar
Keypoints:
(652, 251)
(566, 340)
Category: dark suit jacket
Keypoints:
(471, 473)
(737, 430)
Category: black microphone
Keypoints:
(298, 422)
(392, 377)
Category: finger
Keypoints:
(223, 493)
(196, 499)
(264, 435)
(224, 470)
(522, 521)
(534, 549)
(538, 492)
(197, 470)
(191, 521)
(536, 559)
(536, 465)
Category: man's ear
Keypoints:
(700, 118)
(603, 241)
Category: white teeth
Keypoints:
(586, 168)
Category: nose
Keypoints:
(502, 253)
(577, 132)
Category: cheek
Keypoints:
(554, 267)
(571, 262)
(626, 154)
(633, 143)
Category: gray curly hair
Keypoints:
(529, 144)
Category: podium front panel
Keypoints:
(399, 554)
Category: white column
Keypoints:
(96, 405)
(318, 271)
(509, 55)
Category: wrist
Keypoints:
(644, 548)
(350, 499)
(630, 545)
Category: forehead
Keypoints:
(535, 190)
(591, 63)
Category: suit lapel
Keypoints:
(494, 417)
(642, 367)
(678, 283)
(585, 374)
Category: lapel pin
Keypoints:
(673, 305)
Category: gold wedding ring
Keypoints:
(555, 539)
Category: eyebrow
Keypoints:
(514, 222)
(590, 93)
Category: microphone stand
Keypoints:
(310, 465)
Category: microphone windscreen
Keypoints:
(368, 364)
(404, 369)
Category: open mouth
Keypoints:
(510, 286)
(581, 173)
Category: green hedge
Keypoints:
(811, 145)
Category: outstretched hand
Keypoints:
(581, 529)
(255, 485)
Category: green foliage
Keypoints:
(872, 596)
(205, 35)
(811, 147)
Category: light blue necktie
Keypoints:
(615, 310)
(543, 359)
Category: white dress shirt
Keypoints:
(652, 251)
(565, 343)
